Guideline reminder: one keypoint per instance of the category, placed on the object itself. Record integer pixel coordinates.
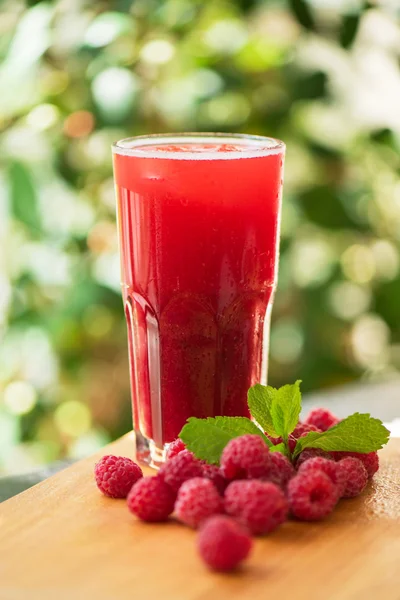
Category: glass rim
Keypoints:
(256, 145)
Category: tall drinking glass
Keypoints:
(198, 220)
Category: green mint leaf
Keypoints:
(259, 400)
(357, 433)
(285, 408)
(206, 438)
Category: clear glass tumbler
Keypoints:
(198, 220)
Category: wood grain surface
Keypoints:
(63, 540)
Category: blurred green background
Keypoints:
(75, 75)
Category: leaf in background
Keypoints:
(303, 14)
(107, 27)
(19, 77)
(259, 402)
(323, 205)
(348, 29)
(285, 408)
(23, 197)
(357, 433)
(207, 438)
(308, 86)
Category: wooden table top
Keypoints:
(63, 540)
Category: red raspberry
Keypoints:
(281, 470)
(312, 453)
(321, 418)
(115, 475)
(213, 473)
(223, 543)
(355, 475)
(299, 431)
(312, 496)
(274, 440)
(151, 499)
(259, 505)
(198, 499)
(370, 460)
(302, 429)
(181, 467)
(244, 457)
(329, 467)
(174, 448)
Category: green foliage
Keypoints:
(356, 433)
(277, 411)
(206, 438)
(75, 77)
(348, 31)
(23, 197)
(303, 13)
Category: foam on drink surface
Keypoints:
(195, 148)
(204, 150)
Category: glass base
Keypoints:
(147, 452)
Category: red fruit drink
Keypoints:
(198, 219)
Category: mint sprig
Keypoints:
(206, 438)
(357, 433)
(277, 411)
(259, 401)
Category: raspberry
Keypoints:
(213, 473)
(312, 496)
(330, 468)
(299, 431)
(302, 429)
(281, 470)
(274, 440)
(244, 457)
(181, 467)
(151, 499)
(198, 499)
(321, 418)
(312, 453)
(115, 475)
(370, 460)
(174, 448)
(223, 543)
(355, 475)
(259, 505)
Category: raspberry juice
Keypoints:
(198, 219)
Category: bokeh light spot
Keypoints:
(349, 300)
(20, 397)
(79, 124)
(370, 338)
(312, 261)
(107, 27)
(157, 52)
(97, 320)
(358, 263)
(43, 116)
(387, 260)
(229, 109)
(226, 36)
(114, 91)
(73, 418)
(287, 341)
